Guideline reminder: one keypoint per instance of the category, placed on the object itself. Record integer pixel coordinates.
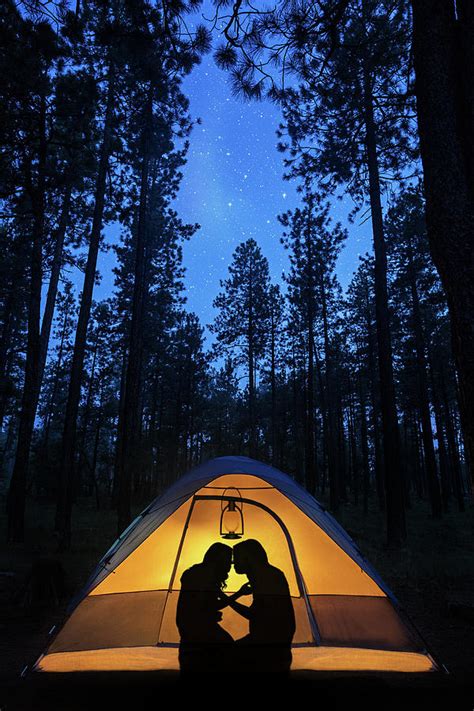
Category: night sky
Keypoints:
(233, 187)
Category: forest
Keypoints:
(364, 394)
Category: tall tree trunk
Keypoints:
(311, 471)
(424, 403)
(5, 392)
(95, 452)
(131, 421)
(153, 428)
(324, 415)
(119, 439)
(82, 455)
(420, 461)
(54, 390)
(251, 372)
(46, 327)
(353, 454)
(444, 66)
(395, 508)
(453, 454)
(378, 454)
(53, 286)
(311, 474)
(334, 473)
(364, 445)
(296, 416)
(273, 391)
(9, 322)
(67, 483)
(442, 455)
(341, 455)
(17, 492)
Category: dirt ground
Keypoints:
(432, 577)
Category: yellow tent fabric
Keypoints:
(346, 618)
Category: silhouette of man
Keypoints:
(271, 618)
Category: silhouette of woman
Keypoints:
(204, 644)
(271, 617)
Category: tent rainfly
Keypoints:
(346, 616)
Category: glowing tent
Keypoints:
(346, 617)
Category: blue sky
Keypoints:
(233, 187)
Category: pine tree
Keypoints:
(35, 51)
(242, 324)
(444, 59)
(360, 315)
(277, 324)
(314, 247)
(163, 118)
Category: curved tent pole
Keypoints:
(181, 544)
(176, 562)
(299, 577)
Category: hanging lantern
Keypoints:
(232, 517)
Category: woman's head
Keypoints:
(219, 559)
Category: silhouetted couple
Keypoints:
(205, 645)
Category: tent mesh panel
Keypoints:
(360, 621)
(148, 618)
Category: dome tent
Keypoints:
(125, 617)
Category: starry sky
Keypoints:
(233, 187)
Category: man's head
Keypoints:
(248, 556)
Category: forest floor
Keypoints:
(432, 577)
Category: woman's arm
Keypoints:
(231, 600)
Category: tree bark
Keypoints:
(119, 440)
(442, 455)
(453, 453)
(444, 63)
(54, 390)
(395, 509)
(311, 470)
(10, 320)
(16, 499)
(273, 389)
(251, 370)
(334, 475)
(372, 375)
(131, 410)
(424, 403)
(364, 445)
(67, 484)
(53, 286)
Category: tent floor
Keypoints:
(150, 690)
(137, 659)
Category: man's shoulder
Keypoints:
(276, 579)
(276, 572)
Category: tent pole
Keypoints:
(181, 544)
(175, 567)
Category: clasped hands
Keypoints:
(246, 589)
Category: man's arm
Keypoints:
(231, 601)
(241, 609)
